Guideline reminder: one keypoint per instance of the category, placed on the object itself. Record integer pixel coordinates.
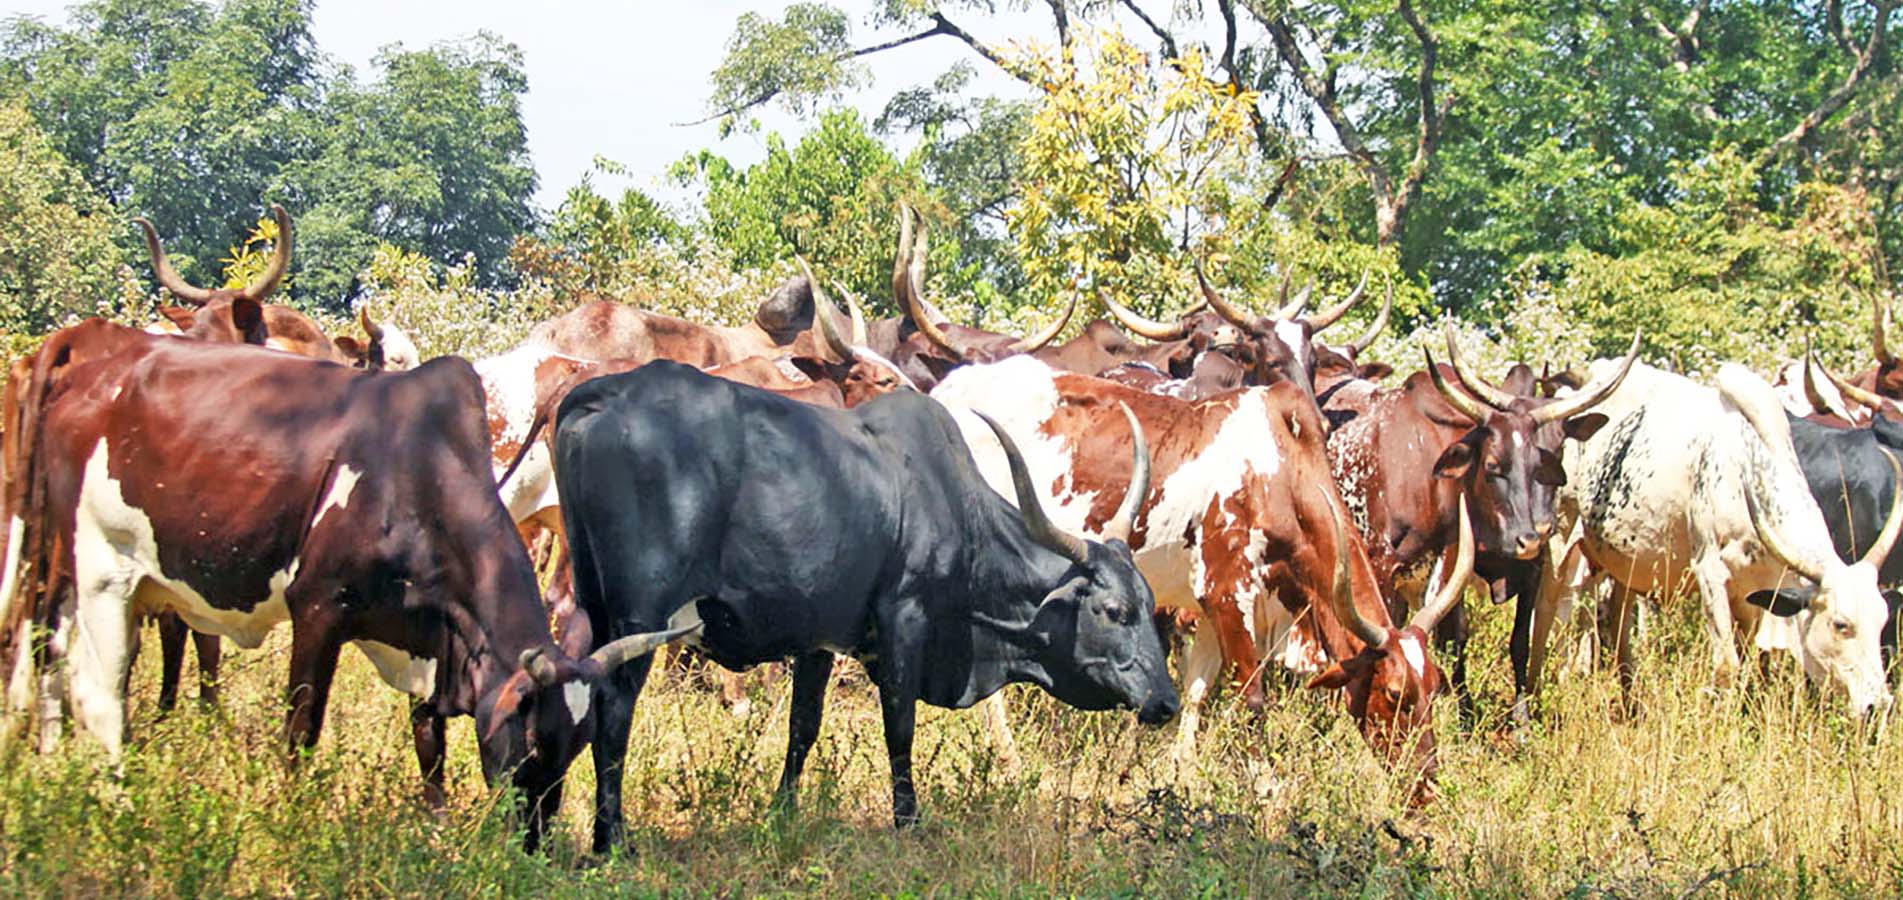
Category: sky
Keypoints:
(609, 78)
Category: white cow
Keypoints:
(1694, 485)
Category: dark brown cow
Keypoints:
(1413, 453)
(359, 507)
(1282, 346)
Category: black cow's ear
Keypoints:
(1548, 471)
(1457, 458)
(1582, 428)
(1784, 602)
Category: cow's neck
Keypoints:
(501, 616)
(1010, 578)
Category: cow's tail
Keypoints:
(23, 486)
(522, 452)
(1755, 399)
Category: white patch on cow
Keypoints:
(688, 616)
(1519, 442)
(575, 694)
(412, 675)
(9, 577)
(1415, 655)
(340, 487)
(399, 352)
(275, 343)
(1290, 333)
(872, 357)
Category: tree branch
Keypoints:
(1432, 115)
(1163, 37)
(1062, 15)
(1837, 99)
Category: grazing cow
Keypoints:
(787, 530)
(1233, 530)
(1411, 451)
(1691, 484)
(359, 507)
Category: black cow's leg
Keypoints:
(313, 664)
(900, 709)
(209, 654)
(1450, 637)
(172, 632)
(613, 717)
(811, 673)
(1524, 583)
(426, 727)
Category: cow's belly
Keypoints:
(531, 491)
(412, 675)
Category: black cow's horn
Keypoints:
(1475, 385)
(1886, 539)
(1040, 526)
(1124, 522)
(1236, 315)
(1467, 406)
(1590, 395)
(541, 670)
(1876, 333)
(273, 274)
(1814, 392)
(1774, 544)
(1455, 581)
(620, 651)
(1333, 314)
(1140, 326)
(162, 269)
(1361, 344)
(1341, 595)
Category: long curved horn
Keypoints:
(1124, 522)
(1876, 333)
(1333, 314)
(1142, 327)
(902, 257)
(1886, 539)
(1455, 581)
(1041, 529)
(1033, 343)
(1852, 392)
(370, 327)
(1774, 544)
(1361, 344)
(823, 312)
(162, 269)
(621, 651)
(1590, 395)
(1293, 309)
(915, 268)
(1237, 316)
(273, 274)
(856, 312)
(1467, 406)
(925, 321)
(1475, 385)
(1812, 391)
(1341, 596)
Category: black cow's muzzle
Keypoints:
(1158, 710)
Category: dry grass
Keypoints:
(1767, 790)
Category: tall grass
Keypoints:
(1768, 789)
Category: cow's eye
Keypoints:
(1843, 628)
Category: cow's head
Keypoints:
(1092, 634)
(1879, 407)
(1282, 347)
(229, 315)
(1889, 372)
(1841, 613)
(389, 348)
(1391, 684)
(532, 724)
(1507, 464)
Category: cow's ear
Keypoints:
(1784, 602)
(1548, 471)
(938, 366)
(1374, 371)
(180, 316)
(351, 348)
(1458, 458)
(815, 369)
(1330, 678)
(1582, 428)
(247, 315)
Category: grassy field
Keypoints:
(1767, 790)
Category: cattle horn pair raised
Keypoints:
(1341, 597)
(908, 287)
(1481, 395)
(609, 656)
(1290, 311)
(259, 288)
(1040, 526)
(1879, 549)
(824, 312)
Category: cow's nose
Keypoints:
(1527, 546)
(1545, 529)
(1157, 711)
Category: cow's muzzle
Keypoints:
(1158, 710)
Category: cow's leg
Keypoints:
(1621, 616)
(1450, 638)
(614, 716)
(100, 653)
(426, 729)
(898, 703)
(733, 691)
(314, 646)
(52, 656)
(811, 672)
(1719, 627)
(19, 685)
(1200, 670)
(210, 654)
(171, 658)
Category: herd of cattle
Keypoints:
(954, 508)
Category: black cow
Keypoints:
(792, 531)
(1853, 484)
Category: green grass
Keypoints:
(1767, 790)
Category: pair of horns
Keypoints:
(1875, 556)
(824, 312)
(1040, 526)
(1291, 310)
(1482, 397)
(611, 656)
(1342, 601)
(259, 288)
(908, 287)
(1876, 402)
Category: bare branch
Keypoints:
(1837, 99)
(1834, 23)
(1432, 113)
(1062, 15)
(1163, 36)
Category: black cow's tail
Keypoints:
(522, 452)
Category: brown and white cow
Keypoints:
(1235, 529)
(1409, 456)
(241, 488)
